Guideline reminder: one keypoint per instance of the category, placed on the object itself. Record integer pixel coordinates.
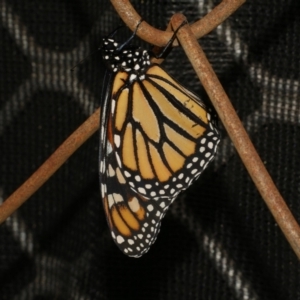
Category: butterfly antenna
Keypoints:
(169, 44)
(131, 37)
(79, 63)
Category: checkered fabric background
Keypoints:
(218, 240)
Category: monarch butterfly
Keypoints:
(156, 138)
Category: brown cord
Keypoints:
(50, 166)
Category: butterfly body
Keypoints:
(133, 60)
(156, 138)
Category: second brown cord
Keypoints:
(238, 135)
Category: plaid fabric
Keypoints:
(218, 240)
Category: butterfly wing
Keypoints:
(156, 139)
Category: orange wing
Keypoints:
(157, 139)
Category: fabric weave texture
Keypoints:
(218, 240)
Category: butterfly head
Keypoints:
(130, 59)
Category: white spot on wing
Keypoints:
(113, 105)
(142, 190)
(150, 207)
(120, 239)
(118, 160)
(117, 140)
(101, 166)
(132, 77)
(131, 184)
(120, 177)
(130, 241)
(118, 197)
(134, 204)
(194, 171)
(111, 171)
(127, 174)
(103, 190)
(111, 201)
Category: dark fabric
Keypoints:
(218, 240)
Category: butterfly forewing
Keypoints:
(164, 136)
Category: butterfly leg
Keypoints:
(167, 48)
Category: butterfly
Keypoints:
(156, 138)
